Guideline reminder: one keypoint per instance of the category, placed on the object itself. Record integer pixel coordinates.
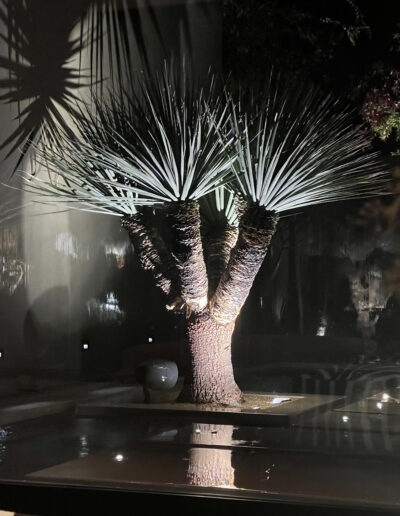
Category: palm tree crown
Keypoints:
(296, 148)
(167, 140)
(164, 141)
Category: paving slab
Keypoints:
(64, 401)
(260, 409)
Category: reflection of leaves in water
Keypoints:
(40, 78)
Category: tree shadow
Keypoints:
(47, 332)
(44, 64)
(111, 27)
(40, 79)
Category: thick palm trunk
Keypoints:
(210, 376)
(256, 229)
(210, 322)
(220, 242)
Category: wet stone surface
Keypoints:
(323, 458)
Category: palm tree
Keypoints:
(199, 180)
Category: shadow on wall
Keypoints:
(54, 49)
(67, 280)
(40, 78)
(48, 332)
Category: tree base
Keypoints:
(210, 379)
(224, 399)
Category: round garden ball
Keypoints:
(158, 374)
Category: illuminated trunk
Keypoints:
(256, 229)
(187, 253)
(210, 459)
(220, 242)
(210, 376)
(211, 299)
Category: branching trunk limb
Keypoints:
(220, 243)
(151, 250)
(257, 226)
(187, 251)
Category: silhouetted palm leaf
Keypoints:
(41, 80)
(40, 50)
(110, 27)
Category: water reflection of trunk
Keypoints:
(209, 465)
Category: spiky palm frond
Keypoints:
(221, 207)
(161, 142)
(297, 148)
(68, 177)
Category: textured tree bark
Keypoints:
(187, 251)
(210, 376)
(150, 248)
(210, 325)
(210, 462)
(221, 241)
(257, 227)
